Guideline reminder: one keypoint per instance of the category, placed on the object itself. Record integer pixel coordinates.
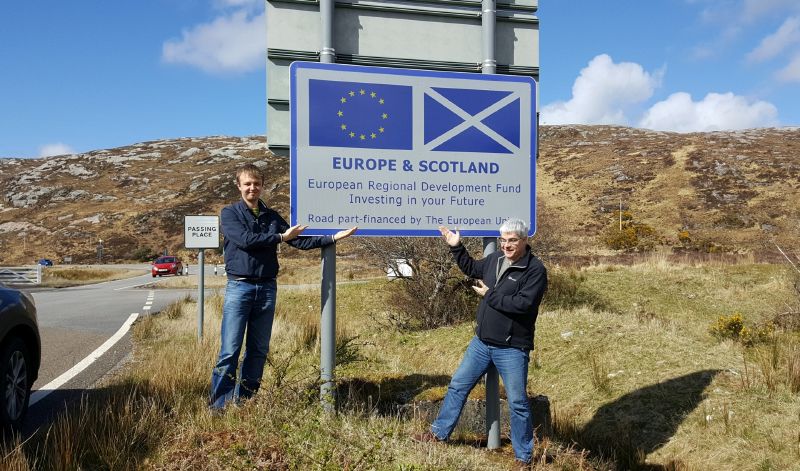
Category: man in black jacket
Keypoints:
(252, 234)
(511, 283)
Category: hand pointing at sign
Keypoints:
(344, 233)
(452, 238)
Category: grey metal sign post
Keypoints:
(488, 66)
(201, 232)
(328, 289)
(201, 295)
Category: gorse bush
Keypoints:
(628, 235)
(728, 327)
(733, 327)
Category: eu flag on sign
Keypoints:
(467, 120)
(359, 115)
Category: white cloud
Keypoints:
(230, 43)
(728, 21)
(603, 93)
(57, 148)
(741, 12)
(790, 73)
(715, 112)
(786, 36)
(755, 9)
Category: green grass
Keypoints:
(633, 375)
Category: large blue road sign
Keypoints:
(399, 152)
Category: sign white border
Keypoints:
(192, 241)
(314, 162)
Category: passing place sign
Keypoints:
(201, 232)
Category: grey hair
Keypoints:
(515, 226)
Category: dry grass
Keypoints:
(78, 276)
(294, 271)
(639, 384)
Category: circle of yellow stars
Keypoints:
(366, 134)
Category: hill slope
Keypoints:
(728, 191)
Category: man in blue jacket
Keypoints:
(252, 234)
(511, 283)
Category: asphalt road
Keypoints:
(83, 336)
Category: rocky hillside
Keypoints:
(130, 197)
(722, 191)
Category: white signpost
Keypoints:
(201, 232)
(399, 152)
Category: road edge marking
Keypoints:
(53, 385)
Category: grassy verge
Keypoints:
(78, 276)
(625, 355)
(298, 270)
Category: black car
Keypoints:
(20, 354)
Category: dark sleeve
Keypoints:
(471, 267)
(527, 297)
(304, 242)
(237, 230)
(310, 242)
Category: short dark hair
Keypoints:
(251, 170)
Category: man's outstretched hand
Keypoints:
(293, 232)
(452, 238)
(344, 234)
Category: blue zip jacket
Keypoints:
(507, 313)
(251, 243)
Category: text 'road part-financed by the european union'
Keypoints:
(399, 152)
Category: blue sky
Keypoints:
(79, 76)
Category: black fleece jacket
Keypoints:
(507, 313)
(251, 243)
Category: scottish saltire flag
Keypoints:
(360, 115)
(469, 120)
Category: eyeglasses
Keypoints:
(511, 241)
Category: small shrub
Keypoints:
(437, 293)
(733, 327)
(728, 327)
(144, 254)
(629, 235)
(759, 334)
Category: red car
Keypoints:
(167, 265)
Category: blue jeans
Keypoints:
(512, 364)
(248, 307)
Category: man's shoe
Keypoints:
(521, 465)
(426, 437)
